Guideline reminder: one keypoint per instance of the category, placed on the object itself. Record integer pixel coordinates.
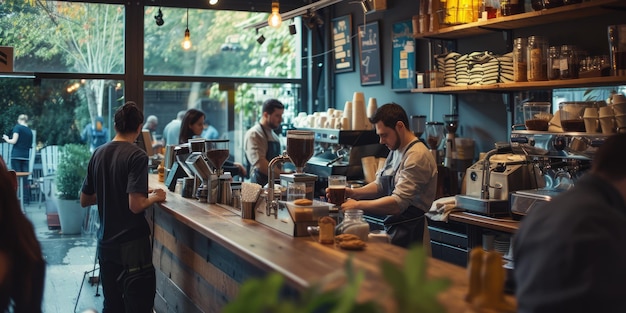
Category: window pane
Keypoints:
(56, 36)
(220, 46)
(232, 111)
(58, 109)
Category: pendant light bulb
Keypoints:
(275, 20)
(212, 2)
(187, 41)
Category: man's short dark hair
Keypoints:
(609, 159)
(390, 114)
(272, 104)
(128, 118)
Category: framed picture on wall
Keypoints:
(369, 50)
(402, 56)
(343, 55)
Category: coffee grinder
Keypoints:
(451, 122)
(434, 135)
(300, 148)
(285, 216)
(418, 124)
(216, 153)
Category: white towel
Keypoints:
(441, 208)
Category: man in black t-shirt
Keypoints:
(22, 141)
(117, 181)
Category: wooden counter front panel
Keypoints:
(194, 273)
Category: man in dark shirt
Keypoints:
(569, 254)
(117, 181)
(22, 141)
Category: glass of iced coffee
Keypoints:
(337, 189)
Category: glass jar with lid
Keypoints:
(353, 223)
(519, 60)
(568, 63)
(537, 58)
(554, 63)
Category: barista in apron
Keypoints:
(405, 189)
(273, 150)
(260, 146)
(408, 227)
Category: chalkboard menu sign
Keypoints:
(403, 56)
(342, 44)
(369, 43)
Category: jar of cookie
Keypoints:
(353, 223)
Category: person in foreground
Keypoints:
(405, 188)
(569, 253)
(117, 181)
(22, 267)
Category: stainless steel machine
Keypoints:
(562, 159)
(339, 152)
(547, 163)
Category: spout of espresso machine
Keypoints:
(500, 149)
(271, 207)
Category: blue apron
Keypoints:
(273, 150)
(407, 227)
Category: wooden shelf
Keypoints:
(559, 14)
(508, 87)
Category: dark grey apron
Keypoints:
(408, 227)
(273, 150)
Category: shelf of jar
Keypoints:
(527, 19)
(523, 86)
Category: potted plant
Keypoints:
(71, 172)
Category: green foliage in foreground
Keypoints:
(412, 291)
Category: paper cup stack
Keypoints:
(358, 111)
(619, 109)
(607, 119)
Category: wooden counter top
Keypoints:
(301, 260)
(502, 224)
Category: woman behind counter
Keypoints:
(192, 127)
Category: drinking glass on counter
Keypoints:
(337, 189)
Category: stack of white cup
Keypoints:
(618, 102)
(607, 119)
(591, 120)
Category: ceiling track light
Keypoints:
(261, 38)
(158, 19)
(213, 2)
(187, 41)
(292, 29)
(275, 20)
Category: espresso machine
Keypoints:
(285, 216)
(537, 166)
(561, 157)
(339, 152)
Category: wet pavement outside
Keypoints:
(68, 257)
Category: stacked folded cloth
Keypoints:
(482, 68)
(462, 70)
(449, 73)
(506, 68)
